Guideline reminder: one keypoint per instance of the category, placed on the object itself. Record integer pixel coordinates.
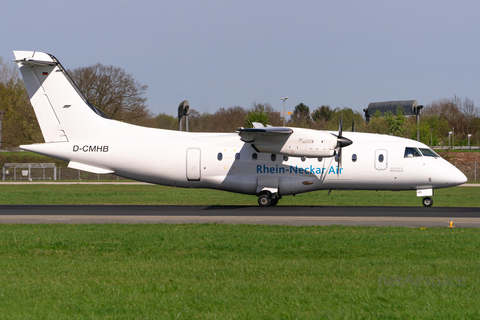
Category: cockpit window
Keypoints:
(428, 152)
(412, 152)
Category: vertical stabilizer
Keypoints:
(61, 109)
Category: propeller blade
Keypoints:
(339, 161)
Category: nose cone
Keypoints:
(459, 178)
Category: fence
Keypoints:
(48, 171)
(456, 148)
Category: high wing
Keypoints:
(295, 142)
(250, 135)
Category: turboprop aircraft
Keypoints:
(269, 162)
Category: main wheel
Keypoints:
(274, 202)
(427, 201)
(264, 200)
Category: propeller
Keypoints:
(341, 142)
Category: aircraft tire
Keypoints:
(274, 202)
(427, 202)
(264, 200)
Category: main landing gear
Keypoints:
(427, 201)
(267, 199)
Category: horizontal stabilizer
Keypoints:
(89, 168)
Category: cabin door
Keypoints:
(193, 164)
(381, 159)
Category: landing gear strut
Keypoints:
(427, 201)
(266, 199)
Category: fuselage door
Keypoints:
(381, 159)
(193, 164)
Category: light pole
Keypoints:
(283, 99)
(449, 134)
(469, 135)
(453, 138)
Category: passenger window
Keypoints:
(303, 159)
(237, 156)
(411, 152)
(380, 158)
(254, 157)
(285, 158)
(319, 159)
(219, 156)
(354, 157)
(273, 157)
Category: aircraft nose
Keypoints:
(459, 178)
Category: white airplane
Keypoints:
(270, 162)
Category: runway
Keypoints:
(280, 215)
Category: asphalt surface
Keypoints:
(281, 215)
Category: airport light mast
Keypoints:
(283, 99)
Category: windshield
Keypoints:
(428, 152)
(412, 152)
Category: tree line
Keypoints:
(120, 96)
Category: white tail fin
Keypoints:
(63, 113)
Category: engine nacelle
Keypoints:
(300, 143)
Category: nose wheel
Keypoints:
(427, 202)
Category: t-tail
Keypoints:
(63, 112)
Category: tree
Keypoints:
(351, 120)
(115, 92)
(256, 116)
(19, 125)
(300, 116)
(322, 113)
(396, 123)
(223, 120)
(165, 121)
(378, 124)
(274, 117)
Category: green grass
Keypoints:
(160, 195)
(238, 271)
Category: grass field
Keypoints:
(238, 271)
(215, 271)
(160, 195)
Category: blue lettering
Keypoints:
(260, 168)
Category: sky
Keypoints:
(224, 53)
